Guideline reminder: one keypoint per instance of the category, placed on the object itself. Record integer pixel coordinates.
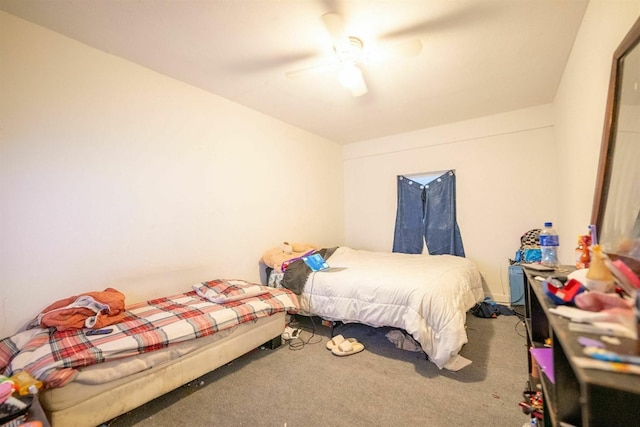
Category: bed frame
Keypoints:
(90, 405)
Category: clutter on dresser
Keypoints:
(594, 299)
(583, 251)
(583, 349)
(17, 394)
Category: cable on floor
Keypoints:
(299, 343)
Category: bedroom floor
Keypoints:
(383, 385)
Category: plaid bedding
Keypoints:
(53, 356)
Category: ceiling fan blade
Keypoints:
(471, 14)
(334, 23)
(406, 49)
(257, 64)
(316, 69)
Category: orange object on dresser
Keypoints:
(583, 255)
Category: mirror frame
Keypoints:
(607, 149)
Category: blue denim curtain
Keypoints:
(427, 213)
(409, 234)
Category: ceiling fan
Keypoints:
(350, 53)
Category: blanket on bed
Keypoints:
(52, 356)
(424, 295)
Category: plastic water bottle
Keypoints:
(549, 244)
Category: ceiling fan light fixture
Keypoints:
(351, 78)
(349, 49)
(350, 75)
(350, 54)
(359, 89)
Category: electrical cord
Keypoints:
(519, 322)
(299, 342)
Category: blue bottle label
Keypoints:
(546, 240)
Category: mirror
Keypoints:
(616, 207)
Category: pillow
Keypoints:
(222, 291)
(275, 257)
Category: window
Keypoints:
(426, 215)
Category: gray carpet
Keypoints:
(381, 386)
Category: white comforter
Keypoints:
(427, 296)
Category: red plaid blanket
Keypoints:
(52, 356)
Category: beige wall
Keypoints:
(114, 175)
(503, 187)
(580, 108)
(498, 181)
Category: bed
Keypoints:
(158, 346)
(425, 295)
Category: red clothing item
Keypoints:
(88, 310)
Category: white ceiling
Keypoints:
(479, 57)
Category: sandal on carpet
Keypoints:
(346, 348)
(337, 340)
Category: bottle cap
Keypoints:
(548, 224)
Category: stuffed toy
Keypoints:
(276, 256)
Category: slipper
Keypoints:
(337, 340)
(347, 348)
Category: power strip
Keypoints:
(290, 333)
